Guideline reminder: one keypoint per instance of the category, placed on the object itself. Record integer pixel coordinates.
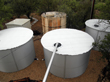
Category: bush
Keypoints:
(21, 7)
(99, 6)
(103, 9)
(47, 5)
(104, 48)
(77, 12)
(105, 12)
(68, 7)
(5, 12)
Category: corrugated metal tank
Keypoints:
(16, 49)
(71, 59)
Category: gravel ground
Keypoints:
(37, 69)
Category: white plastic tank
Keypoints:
(19, 22)
(97, 28)
(71, 59)
(16, 49)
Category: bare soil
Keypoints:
(37, 69)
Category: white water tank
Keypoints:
(97, 28)
(72, 57)
(16, 49)
(19, 22)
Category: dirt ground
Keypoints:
(37, 69)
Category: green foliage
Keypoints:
(77, 11)
(82, 13)
(103, 9)
(69, 8)
(98, 1)
(104, 45)
(104, 48)
(5, 12)
(105, 14)
(21, 7)
(47, 5)
(99, 6)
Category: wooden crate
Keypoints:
(53, 20)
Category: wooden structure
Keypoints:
(53, 20)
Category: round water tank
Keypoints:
(97, 28)
(53, 20)
(71, 59)
(16, 49)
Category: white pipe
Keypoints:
(35, 20)
(49, 65)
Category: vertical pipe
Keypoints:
(49, 65)
(92, 9)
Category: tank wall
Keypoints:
(96, 34)
(102, 35)
(7, 63)
(92, 32)
(24, 55)
(65, 66)
(57, 61)
(77, 60)
(17, 58)
(75, 72)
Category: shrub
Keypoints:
(104, 48)
(21, 7)
(104, 45)
(47, 5)
(77, 12)
(5, 12)
(99, 6)
(103, 9)
(106, 10)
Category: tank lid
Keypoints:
(98, 24)
(14, 37)
(74, 42)
(18, 21)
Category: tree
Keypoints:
(5, 12)
(69, 7)
(21, 7)
(105, 11)
(78, 11)
(104, 45)
(48, 5)
(104, 48)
